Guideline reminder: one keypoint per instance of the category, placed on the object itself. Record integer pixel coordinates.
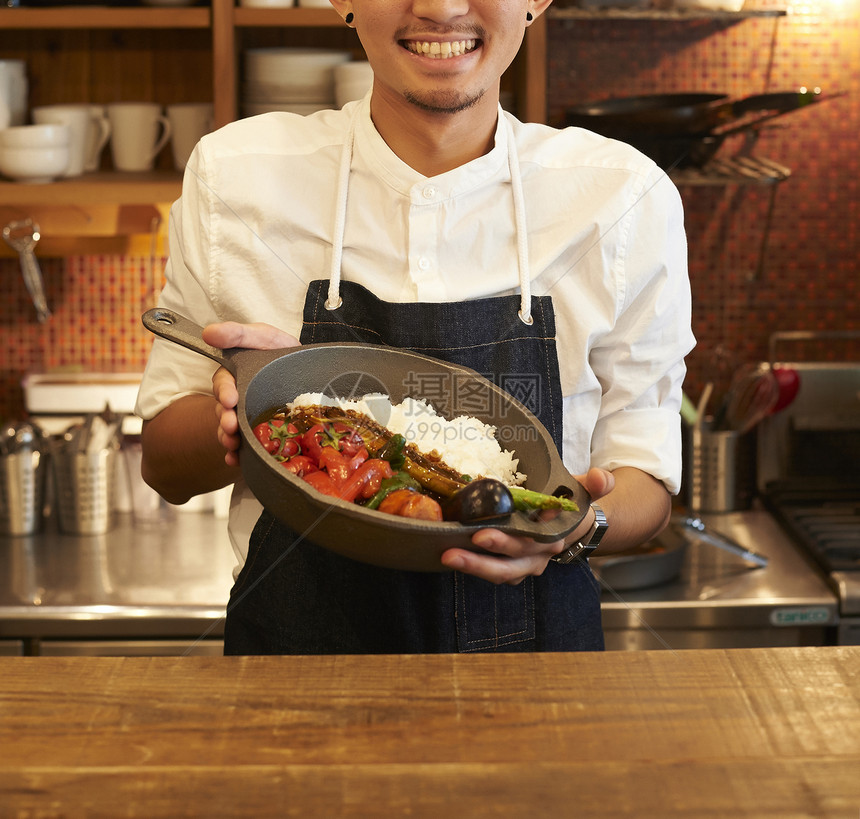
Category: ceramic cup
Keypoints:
(78, 119)
(13, 93)
(189, 122)
(98, 134)
(139, 130)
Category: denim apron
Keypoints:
(294, 597)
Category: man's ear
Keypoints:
(342, 7)
(537, 7)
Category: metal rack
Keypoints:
(741, 170)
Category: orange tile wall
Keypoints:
(747, 282)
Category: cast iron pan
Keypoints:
(673, 115)
(268, 379)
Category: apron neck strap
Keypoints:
(334, 300)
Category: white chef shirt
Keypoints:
(254, 226)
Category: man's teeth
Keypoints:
(442, 51)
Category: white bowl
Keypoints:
(33, 165)
(47, 135)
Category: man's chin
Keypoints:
(443, 102)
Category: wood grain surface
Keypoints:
(755, 732)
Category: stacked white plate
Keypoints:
(299, 80)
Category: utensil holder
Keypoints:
(722, 470)
(86, 487)
(22, 491)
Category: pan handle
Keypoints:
(562, 524)
(543, 531)
(171, 326)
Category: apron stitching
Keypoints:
(493, 343)
(497, 640)
(549, 379)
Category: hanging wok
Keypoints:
(269, 379)
(675, 115)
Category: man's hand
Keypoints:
(232, 334)
(515, 558)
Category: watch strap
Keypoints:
(583, 548)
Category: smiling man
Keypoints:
(425, 217)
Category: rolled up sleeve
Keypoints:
(639, 362)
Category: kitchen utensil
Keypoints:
(690, 114)
(686, 130)
(788, 382)
(703, 533)
(22, 479)
(752, 395)
(721, 470)
(268, 379)
(656, 562)
(85, 484)
(689, 413)
(702, 406)
(22, 237)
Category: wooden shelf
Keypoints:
(99, 17)
(104, 188)
(51, 36)
(676, 15)
(293, 17)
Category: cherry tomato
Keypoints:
(365, 481)
(263, 433)
(349, 441)
(312, 443)
(322, 483)
(300, 465)
(407, 503)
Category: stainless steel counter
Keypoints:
(172, 582)
(169, 580)
(717, 601)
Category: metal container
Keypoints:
(85, 488)
(22, 487)
(722, 470)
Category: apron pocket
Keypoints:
(490, 617)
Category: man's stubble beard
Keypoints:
(443, 102)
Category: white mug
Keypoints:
(77, 117)
(135, 138)
(189, 122)
(98, 134)
(13, 93)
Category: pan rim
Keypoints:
(404, 525)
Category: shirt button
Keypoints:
(424, 263)
(429, 192)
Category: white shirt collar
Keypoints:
(372, 149)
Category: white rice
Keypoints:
(464, 443)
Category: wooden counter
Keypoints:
(750, 732)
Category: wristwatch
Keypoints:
(585, 547)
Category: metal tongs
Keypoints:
(22, 236)
(719, 540)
